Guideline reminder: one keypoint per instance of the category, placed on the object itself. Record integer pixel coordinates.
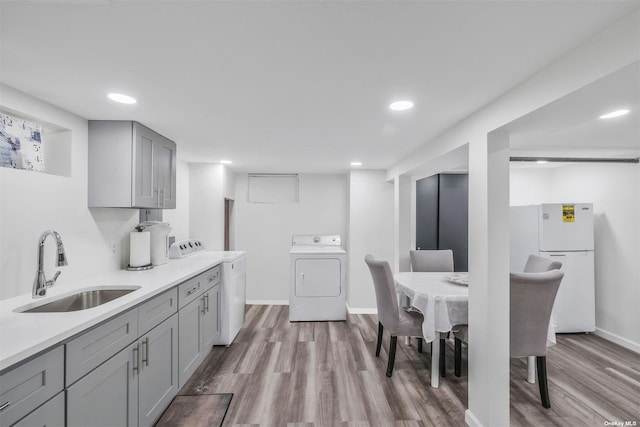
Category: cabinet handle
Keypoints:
(203, 306)
(4, 406)
(302, 283)
(206, 302)
(146, 352)
(218, 311)
(136, 359)
(195, 288)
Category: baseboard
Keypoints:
(267, 302)
(352, 310)
(471, 419)
(621, 341)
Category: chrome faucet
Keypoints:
(40, 284)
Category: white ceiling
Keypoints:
(571, 126)
(288, 86)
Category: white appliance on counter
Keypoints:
(159, 240)
(318, 279)
(234, 282)
(563, 232)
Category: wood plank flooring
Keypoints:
(326, 374)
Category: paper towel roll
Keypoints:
(139, 248)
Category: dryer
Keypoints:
(318, 278)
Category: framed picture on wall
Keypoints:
(20, 144)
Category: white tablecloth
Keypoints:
(443, 304)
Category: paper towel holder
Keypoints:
(142, 267)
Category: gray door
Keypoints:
(190, 352)
(144, 157)
(427, 212)
(453, 225)
(158, 380)
(442, 215)
(166, 172)
(211, 317)
(107, 396)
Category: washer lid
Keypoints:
(316, 240)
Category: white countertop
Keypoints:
(23, 335)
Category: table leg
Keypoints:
(406, 301)
(531, 369)
(435, 363)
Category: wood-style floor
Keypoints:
(325, 374)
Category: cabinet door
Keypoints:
(144, 157)
(190, 352)
(108, 396)
(211, 317)
(158, 380)
(51, 414)
(166, 172)
(28, 386)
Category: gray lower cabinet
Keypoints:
(108, 395)
(133, 387)
(51, 414)
(158, 373)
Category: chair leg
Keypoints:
(379, 343)
(443, 364)
(541, 362)
(457, 357)
(392, 355)
(419, 345)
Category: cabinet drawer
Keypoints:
(90, 349)
(212, 276)
(194, 287)
(26, 387)
(155, 311)
(51, 414)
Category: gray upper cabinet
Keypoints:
(130, 166)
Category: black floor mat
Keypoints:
(200, 410)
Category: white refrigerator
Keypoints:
(563, 232)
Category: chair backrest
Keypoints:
(386, 297)
(532, 297)
(432, 260)
(538, 264)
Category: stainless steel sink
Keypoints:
(80, 301)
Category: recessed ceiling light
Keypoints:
(401, 105)
(541, 162)
(613, 114)
(356, 163)
(226, 162)
(122, 98)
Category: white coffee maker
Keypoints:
(159, 240)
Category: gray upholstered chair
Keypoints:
(398, 322)
(534, 264)
(432, 260)
(538, 264)
(532, 295)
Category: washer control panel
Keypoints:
(184, 248)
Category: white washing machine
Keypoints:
(234, 281)
(318, 278)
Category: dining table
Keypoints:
(443, 300)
